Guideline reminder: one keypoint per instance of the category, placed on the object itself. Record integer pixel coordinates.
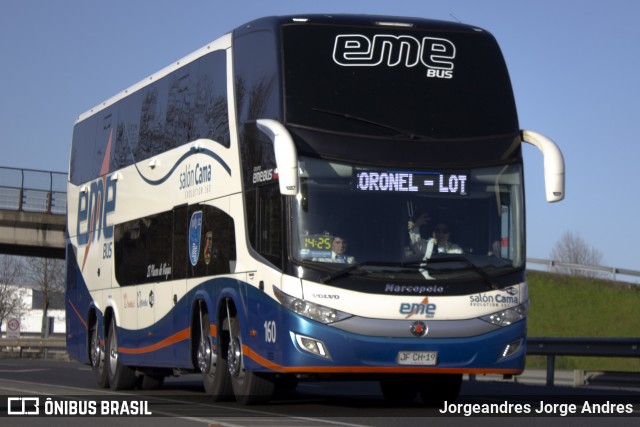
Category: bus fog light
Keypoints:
(511, 348)
(312, 345)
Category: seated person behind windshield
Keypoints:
(438, 243)
(338, 252)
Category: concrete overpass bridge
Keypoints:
(33, 208)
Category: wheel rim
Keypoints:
(234, 357)
(113, 349)
(96, 352)
(204, 355)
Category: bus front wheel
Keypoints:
(399, 390)
(435, 389)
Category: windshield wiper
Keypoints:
(486, 278)
(398, 132)
(343, 272)
(421, 265)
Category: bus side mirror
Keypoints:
(553, 164)
(286, 155)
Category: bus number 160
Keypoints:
(270, 331)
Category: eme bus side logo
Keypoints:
(358, 50)
(95, 202)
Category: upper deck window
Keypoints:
(187, 104)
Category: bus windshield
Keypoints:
(435, 224)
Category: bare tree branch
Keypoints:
(573, 249)
(47, 276)
(10, 295)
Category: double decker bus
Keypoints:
(210, 206)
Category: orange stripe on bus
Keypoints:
(247, 351)
(182, 335)
(78, 314)
(369, 369)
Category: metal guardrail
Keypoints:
(593, 347)
(35, 345)
(614, 271)
(32, 190)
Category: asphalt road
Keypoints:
(182, 401)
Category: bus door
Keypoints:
(160, 300)
(174, 297)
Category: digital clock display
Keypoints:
(316, 242)
(315, 245)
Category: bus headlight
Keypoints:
(313, 311)
(508, 316)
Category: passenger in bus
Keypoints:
(338, 252)
(441, 243)
(438, 243)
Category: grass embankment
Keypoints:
(574, 306)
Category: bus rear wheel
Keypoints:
(96, 356)
(121, 377)
(250, 388)
(213, 367)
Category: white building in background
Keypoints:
(31, 316)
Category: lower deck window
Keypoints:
(186, 242)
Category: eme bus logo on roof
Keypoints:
(358, 50)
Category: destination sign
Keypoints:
(420, 182)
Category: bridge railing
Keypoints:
(32, 190)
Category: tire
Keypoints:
(121, 377)
(435, 389)
(150, 382)
(97, 357)
(399, 391)
(249, 387)
(215, 375)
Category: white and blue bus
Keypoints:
(210, 206)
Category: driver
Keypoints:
(338, 252)
(438, 243)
